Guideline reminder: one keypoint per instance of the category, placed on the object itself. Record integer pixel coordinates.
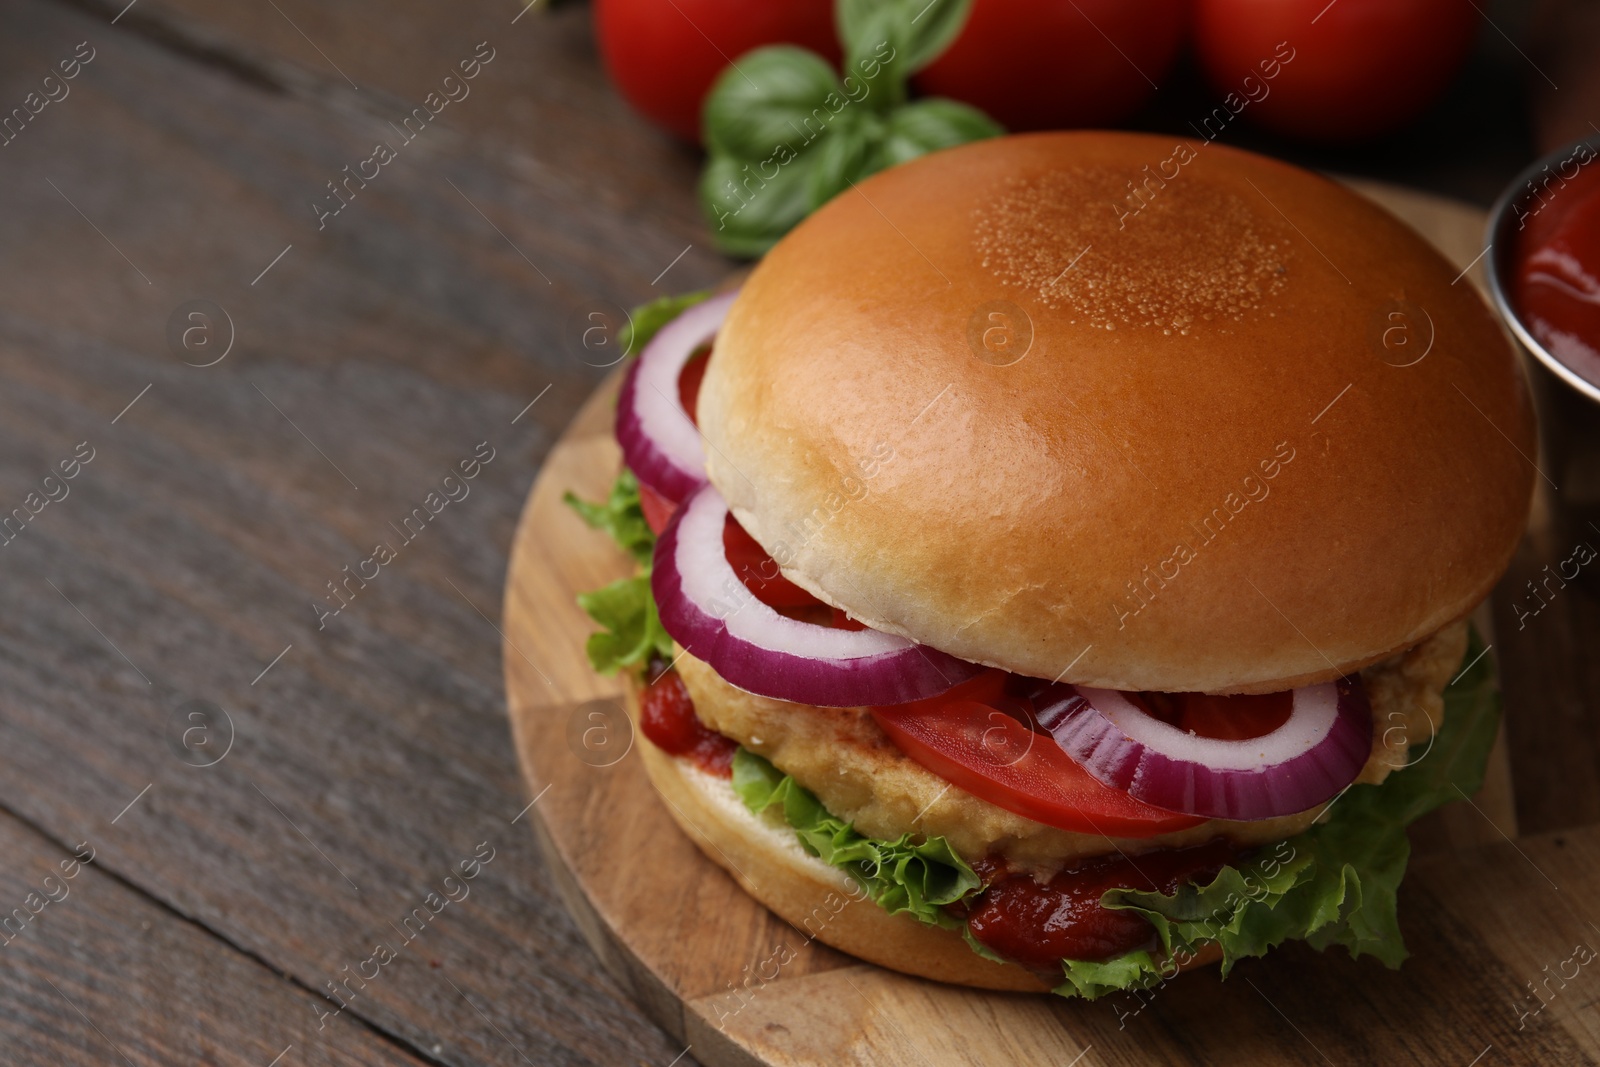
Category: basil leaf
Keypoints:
(784, 134)
(842, 157)
(749, 212)
(929, 125)
(927, 26)
(876, 52)
(850, 16)
(934, 27)
(763, 99)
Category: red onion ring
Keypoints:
(708, 610)
(660, 442)
(1317, 752)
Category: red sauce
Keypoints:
(1038, 926)
(667, 718)
(1557, 285)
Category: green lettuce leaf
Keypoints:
(633, 631)
(1334, 884)
(646, 320)
(902, 876)
(619, 515)
(626, 608)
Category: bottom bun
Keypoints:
(765, 857)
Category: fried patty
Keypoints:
(842, 756)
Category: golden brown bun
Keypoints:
(1210, 411)
(764, 856)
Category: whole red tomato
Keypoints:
(1043, 64)
(664, 54)
(1360, 67)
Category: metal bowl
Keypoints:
(1568, 404)
(1529, 194)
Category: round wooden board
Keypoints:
(695, 951)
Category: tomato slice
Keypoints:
(657, 509)
(689, 379)
(983, 736)
(841, 621)
(1224, 718)
(759, 571)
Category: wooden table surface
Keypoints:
(269, 790)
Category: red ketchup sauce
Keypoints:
(667, 719)
(1556, 288)
(1038, 926)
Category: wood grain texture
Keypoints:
(684, 939)
(87, 961)
(372, 756)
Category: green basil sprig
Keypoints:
(785, 132)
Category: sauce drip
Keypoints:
(1038, 926)
(667, 718)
